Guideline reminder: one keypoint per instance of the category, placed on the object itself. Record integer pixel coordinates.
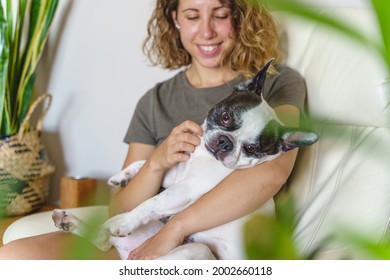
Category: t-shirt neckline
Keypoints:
(206, 90)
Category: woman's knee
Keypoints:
(53, 246)
(17, 250)
(40, 247)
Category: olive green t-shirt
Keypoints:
(173, 101)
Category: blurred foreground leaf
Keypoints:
(271, 237)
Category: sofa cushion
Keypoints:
(40, 223)
(341, 185)
(347, 82)
(342, 182)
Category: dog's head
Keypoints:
(243, 130)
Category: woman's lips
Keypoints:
(209, 50)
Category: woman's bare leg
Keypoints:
(54, 246)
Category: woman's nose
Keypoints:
(207, 30)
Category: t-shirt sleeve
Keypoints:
(286, 88)
(141, 126)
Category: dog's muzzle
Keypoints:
(224, 144)
(221, 146)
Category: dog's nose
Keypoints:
(224, 144)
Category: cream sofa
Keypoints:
(343, 181)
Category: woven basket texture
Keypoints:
(24, 168)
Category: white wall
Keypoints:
(96, 72)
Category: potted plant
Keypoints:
(24, 167)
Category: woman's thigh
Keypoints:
(54, 246)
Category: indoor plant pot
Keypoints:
(24, 166)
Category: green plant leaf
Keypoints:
(271, 237)
(14, 73)
(27, 97)
(266, 238)
(382, 10)
(26, 58)
(49, 12)
(4, 54)
(10, 23)
(365, 247)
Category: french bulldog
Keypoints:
(241, 131)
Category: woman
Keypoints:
(218, 43)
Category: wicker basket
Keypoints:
(24, 167)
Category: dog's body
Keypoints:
(239, 132)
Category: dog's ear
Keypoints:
(256, 84)
(292, 137)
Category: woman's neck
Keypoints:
(209, 77)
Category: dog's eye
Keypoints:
(250, 148)
(225, 118)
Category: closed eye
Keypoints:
(222, 17)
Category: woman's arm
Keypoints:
(146, 183)
(243, 191)
(128, 197)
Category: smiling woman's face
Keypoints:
(205, 30)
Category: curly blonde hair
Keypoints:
(255, 37)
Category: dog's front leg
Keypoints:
(122, 178)
(167, 203)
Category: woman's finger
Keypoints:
(190, 127)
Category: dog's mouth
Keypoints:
(212, 151)
(220, 153)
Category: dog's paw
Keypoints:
(119, 225)
(118, 181)
(122, 178)
(64, 220)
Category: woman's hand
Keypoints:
(167, 239)
(182, 140)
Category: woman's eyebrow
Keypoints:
(196, 10)
(189, 9)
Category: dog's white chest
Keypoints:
(202, 171)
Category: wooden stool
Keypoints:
(76, 192)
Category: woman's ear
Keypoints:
(174, 18)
